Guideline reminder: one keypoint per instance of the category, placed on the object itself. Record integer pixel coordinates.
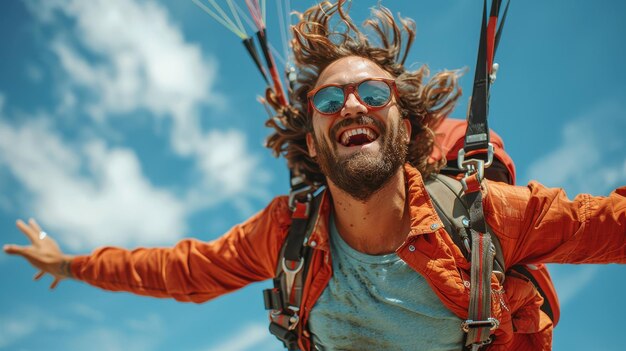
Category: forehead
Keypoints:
(350, 69)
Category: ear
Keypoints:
(408, 129)
(310, 144)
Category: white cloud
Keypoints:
(222, 158)
(149, 324)
(91, 196)
(254, 337)
(110, 339)
(591, 157)
(13, 330)
(25, 321)
(86, 311)
(144, 63)
(74, 334)
(142, 57)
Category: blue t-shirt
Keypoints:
(379, 303)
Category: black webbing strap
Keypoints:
(297, 232)
(477, 134)
(285, 298)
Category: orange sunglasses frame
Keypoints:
(351, 88)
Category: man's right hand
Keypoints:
(43, 253)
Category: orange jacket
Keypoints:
(534, 224)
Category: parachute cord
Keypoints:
(236, 16)
(255, 12)
(223, 21)
(246, 18)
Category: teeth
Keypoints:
(345, 137)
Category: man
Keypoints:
(384, 273)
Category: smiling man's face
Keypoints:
(357, 148)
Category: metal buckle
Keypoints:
(491, 322)
(465, 165)
(293, 195)
(290, 274)
(494, 72)
(474, 165)
(293, 320)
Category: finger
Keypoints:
(34, 225)
(39, 275)
(54, 283)
(27, 230)
(24, 251)
(13, 249)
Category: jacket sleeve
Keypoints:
(536, 224)
(193, 270)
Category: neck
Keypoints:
(378, 225)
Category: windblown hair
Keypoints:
(318, 41)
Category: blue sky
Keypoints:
(135, 123)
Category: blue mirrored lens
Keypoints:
(328, 100)
(374, 93)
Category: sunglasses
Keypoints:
(375, 93)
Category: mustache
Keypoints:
(359, 121)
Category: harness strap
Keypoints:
(447, 196)
(285, 298)
(461, 219)
(484, 253)
(480, 323)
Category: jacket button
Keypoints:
(434, 226)
(411, 248)
(313, 243)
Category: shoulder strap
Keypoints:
(285, 298)
(461, 207)
(446, 195)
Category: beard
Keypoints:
(362, 173)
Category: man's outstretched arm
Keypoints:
(540, 224)
(192, 270)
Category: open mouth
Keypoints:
(358, 136)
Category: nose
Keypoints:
(353, 107)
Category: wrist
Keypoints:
(65, 269)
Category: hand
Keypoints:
(43, 253)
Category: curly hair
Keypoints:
(318, 41)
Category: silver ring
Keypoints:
(42, 235)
